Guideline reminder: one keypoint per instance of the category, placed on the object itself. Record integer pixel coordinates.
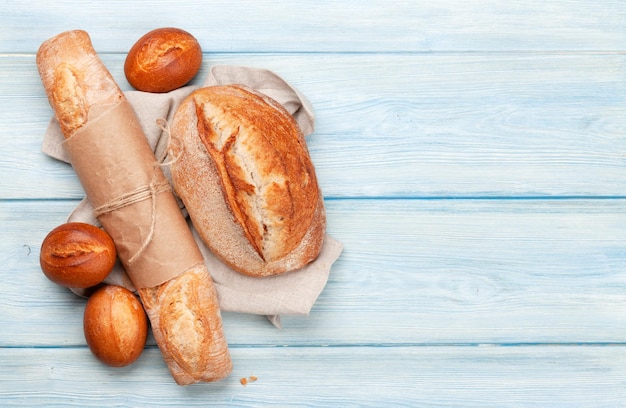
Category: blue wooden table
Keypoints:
(473, 159)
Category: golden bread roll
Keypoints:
(163, 60)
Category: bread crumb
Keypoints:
(244, 381)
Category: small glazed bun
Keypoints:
(77, 255)
(242, 168)
(163, 60)
(115, 326)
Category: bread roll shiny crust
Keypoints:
(77, 255)
(241, 166)
(115, 325)
(184, 310)
(163, 60)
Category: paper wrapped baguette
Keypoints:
(135, 205)
(241, 165)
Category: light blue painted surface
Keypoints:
(473, 156)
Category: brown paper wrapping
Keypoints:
(131, 196)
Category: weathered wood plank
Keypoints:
(404, 126)
(329, 26)
(536, 376)
(413, 272)
(434, 119)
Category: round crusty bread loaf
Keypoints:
(241, 166)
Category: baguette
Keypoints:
(241, 166)
(183, 310)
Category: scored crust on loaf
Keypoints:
(179, 312)
(266, 173)
(76, 78)
(239, 153)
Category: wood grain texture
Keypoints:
(330, 25)
(400, 377)
(472, 155)
(425, 271)
(403, 126)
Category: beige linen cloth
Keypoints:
(292, 293)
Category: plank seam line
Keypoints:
(363, 345)
(392, 198)
(554, 52)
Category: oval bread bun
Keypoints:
(241, 166)
(162, 60)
